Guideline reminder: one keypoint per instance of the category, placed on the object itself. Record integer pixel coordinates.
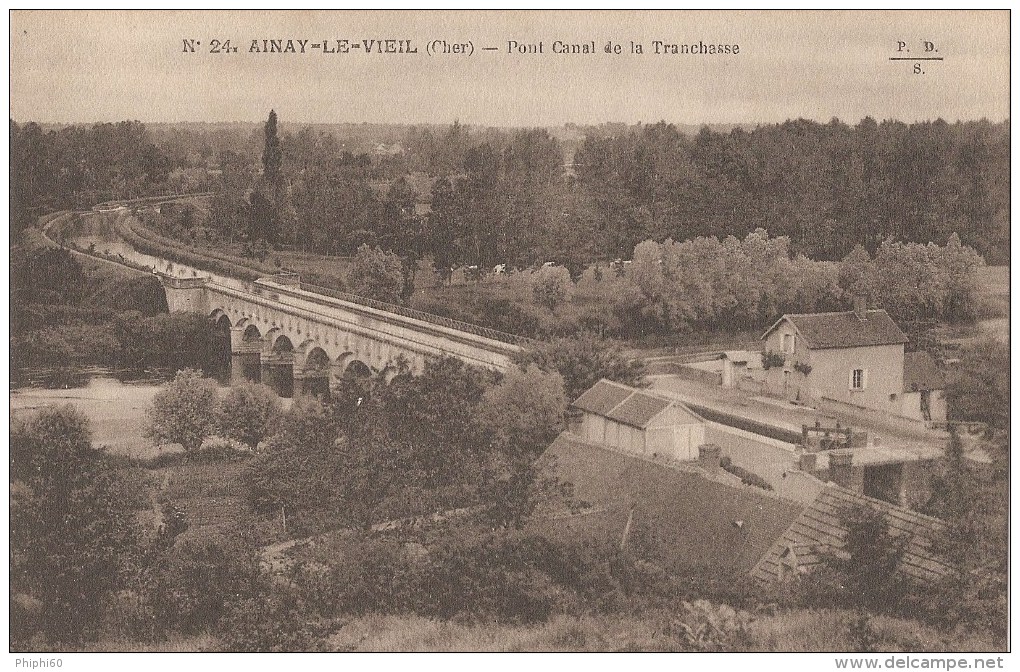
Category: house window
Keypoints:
(858, 379)
(789, 343)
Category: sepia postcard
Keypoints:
(510, 331)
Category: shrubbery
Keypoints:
(746, 477)
(188, 587)
(705, 627)
(73, 533)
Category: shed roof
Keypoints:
(627, 405)
(843, 330)
(921, 373)
(819, 531)
(602, 397)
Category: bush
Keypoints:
(73, 534)
(188, 588)
(274, 621)
(583, 360)
(551, 286)
(504, 577)
(377, 274)
(746, 477)
(703, 626)
(772, 360)
(248, 413)
(183, 411)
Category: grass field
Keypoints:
(794, 631)
(210, 494)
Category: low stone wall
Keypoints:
(688, 372)
(752, 426)
(773, 460)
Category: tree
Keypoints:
(248, 413)
(189, 586)
(974, 502)
(868, 569)
(978, 387)
(272, 156)
(184, 411)
(48, 275)
(376, 274)
(582, 360)
(521, 416)
(551, 286)
(72, 526)
(524, 412)
(309, 470)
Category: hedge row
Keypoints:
(176, 254)
(265, 269)
(746, 477)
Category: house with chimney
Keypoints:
(853, 358)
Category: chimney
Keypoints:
(841, 467)
(861, 307)
(709, 457)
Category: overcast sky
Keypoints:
(115, 65)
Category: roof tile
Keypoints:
(813, 528)
(602, 397)
(628, 405)
(639, 409)
(844, 330)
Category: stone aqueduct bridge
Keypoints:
(298, 339)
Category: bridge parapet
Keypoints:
(325, 294)
(172, 281)
(287, 279)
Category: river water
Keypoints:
(115, 401)
(115, 406)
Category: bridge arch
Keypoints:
(357, 369)
(219, 318)
(317, 362)
(280, 344)
(312, 370)
(278, 363)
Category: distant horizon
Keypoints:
(286, 122)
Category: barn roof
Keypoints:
(690, 520)
(843, 330)
(921, 373)
(818, 532)
(627, 405)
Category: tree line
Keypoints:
(79, 166)
(480, 196)
(84, 564)
(828, 186)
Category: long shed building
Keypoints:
(634, 421)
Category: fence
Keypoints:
(439, 320)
